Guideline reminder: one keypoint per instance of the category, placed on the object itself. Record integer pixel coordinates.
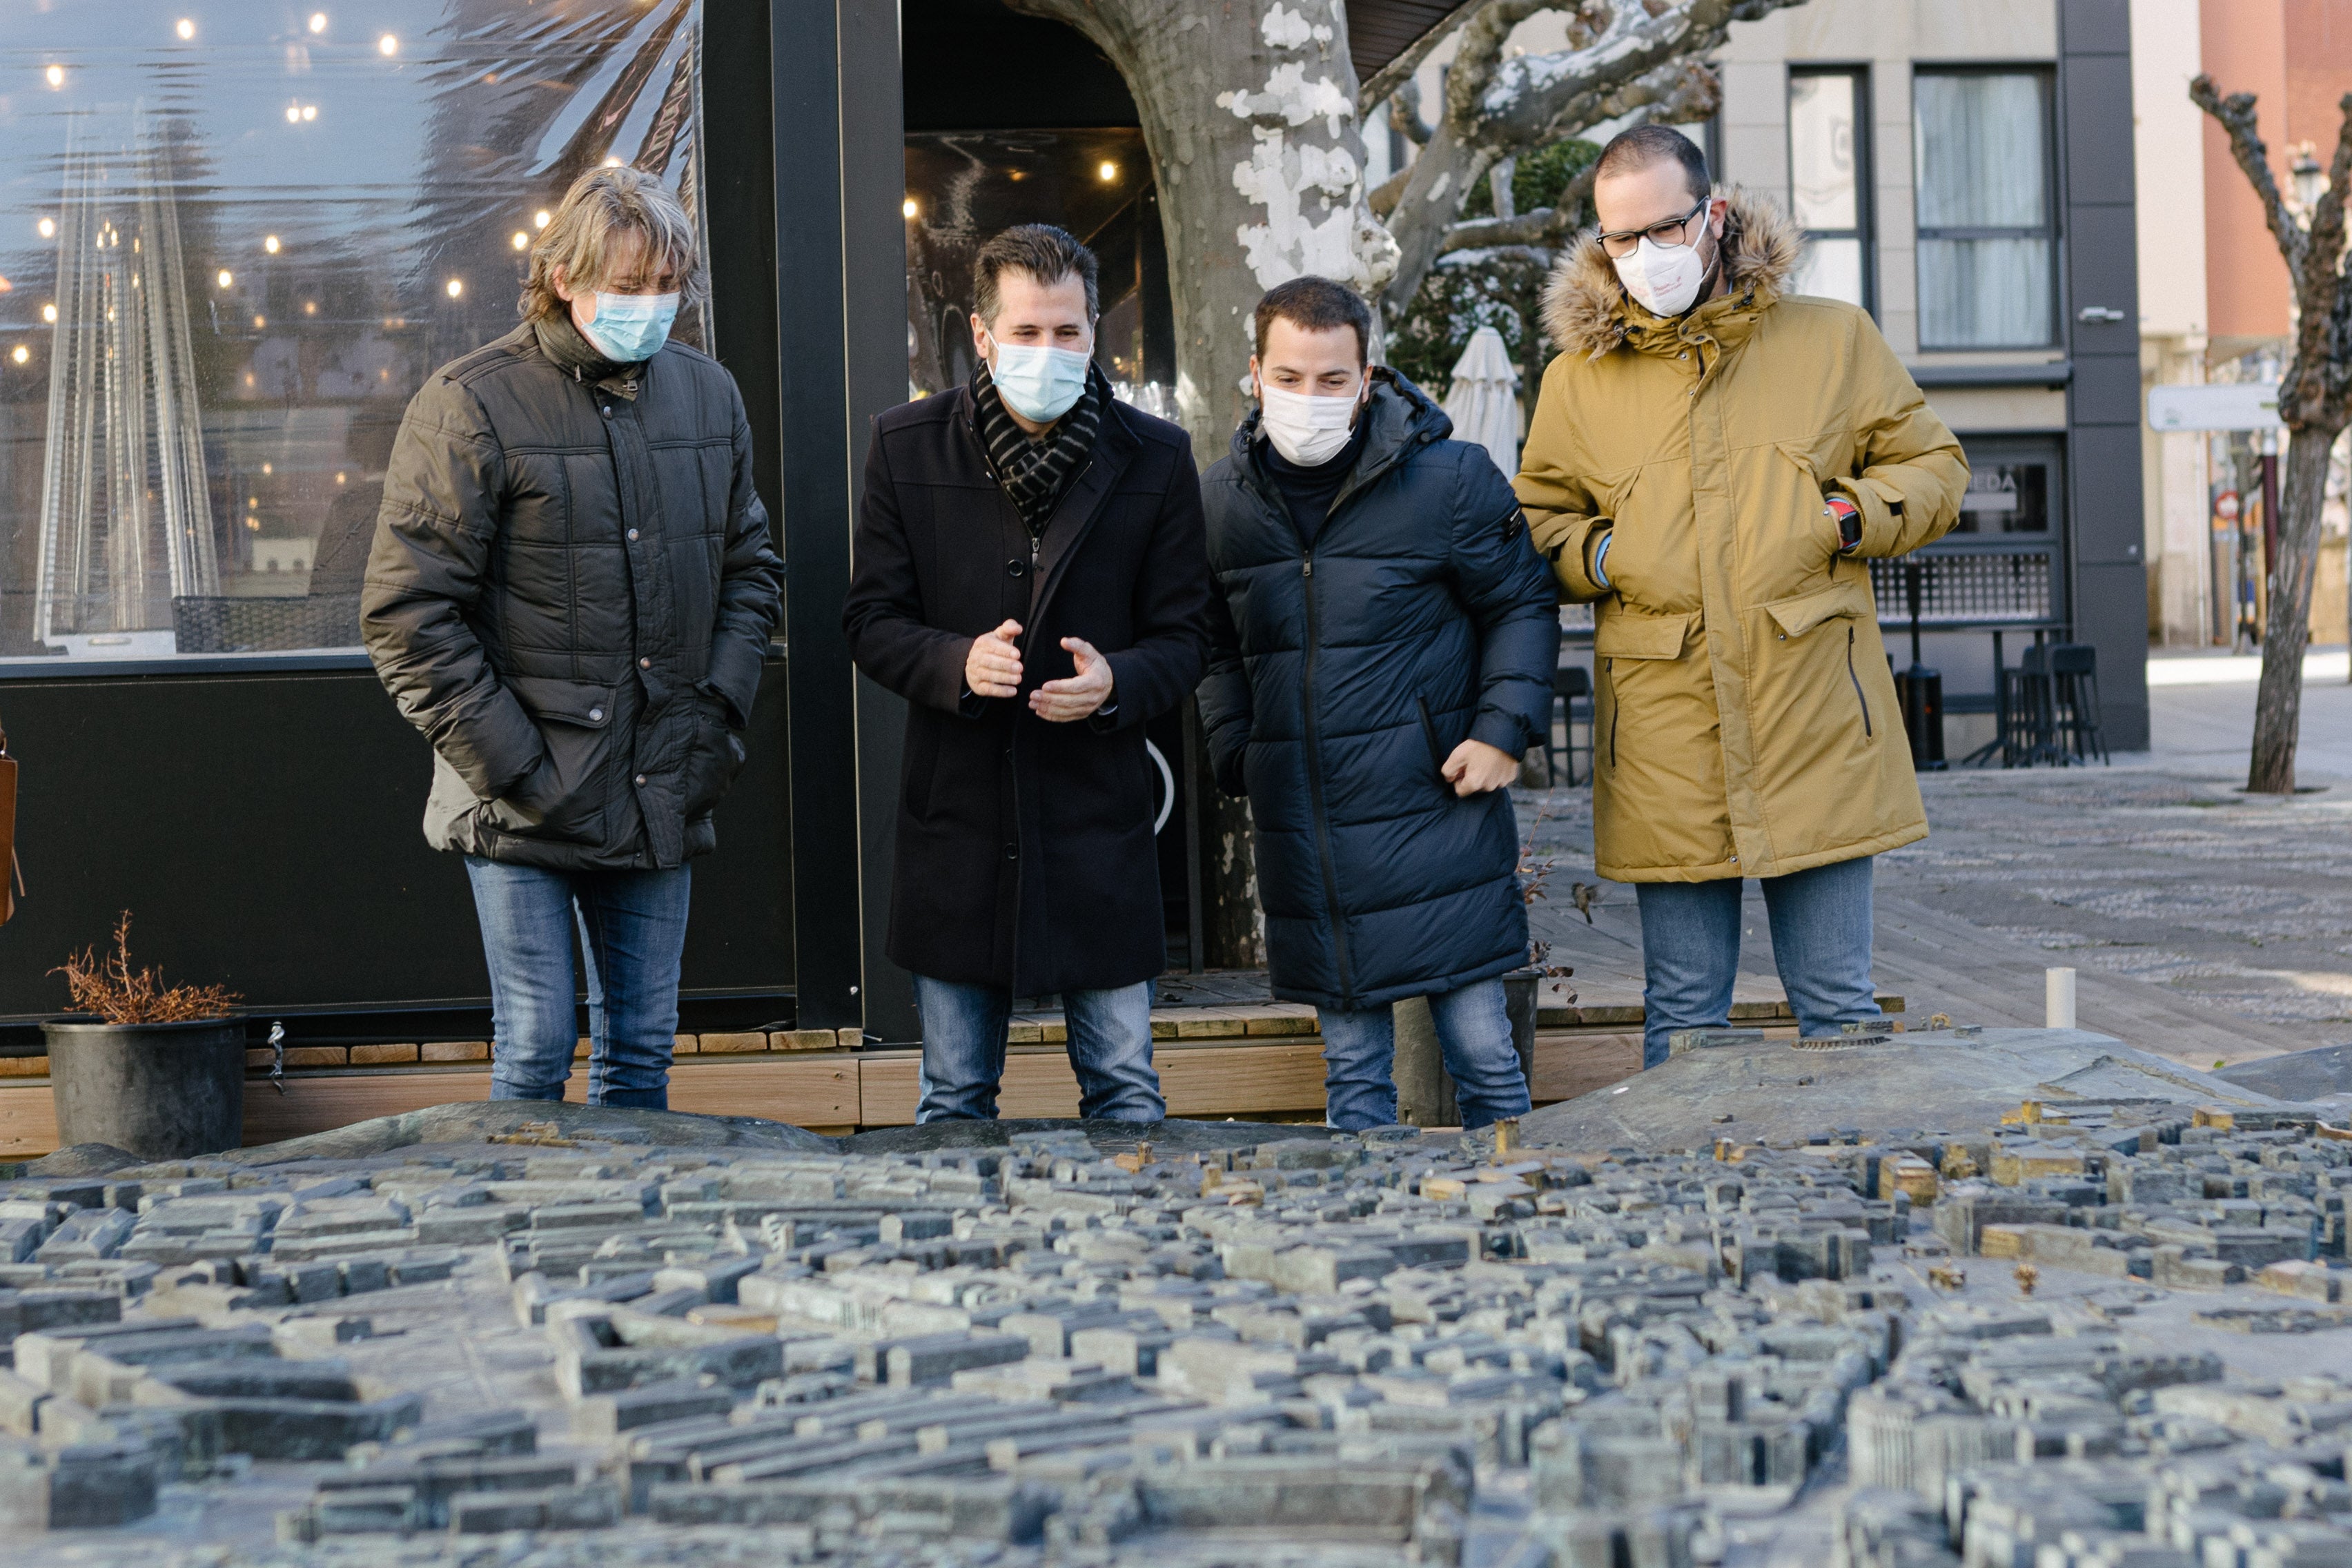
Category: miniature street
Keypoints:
(2103, 1329)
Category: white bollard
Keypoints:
(2058, 1003)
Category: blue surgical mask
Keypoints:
(629, 327)
(1039, 383)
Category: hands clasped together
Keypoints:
(992, 668)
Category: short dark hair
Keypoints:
(1315, 305)
(1647, 144)
(1045, 253)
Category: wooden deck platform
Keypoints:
(1224, 1046)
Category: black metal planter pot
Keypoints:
(164, 1092)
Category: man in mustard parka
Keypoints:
(1712, 463)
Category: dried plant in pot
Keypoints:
(154, 1069)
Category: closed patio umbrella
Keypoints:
(1484, 400)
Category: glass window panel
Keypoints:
(1831, 269)
(1982, 162)
(2005, 497)
(964, 186)
(1822, 172)
(231, 258)
(1984, 293)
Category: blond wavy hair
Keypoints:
(601, 205)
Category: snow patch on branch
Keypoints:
(1287, 29)
(1530, 75)
(1290, 98)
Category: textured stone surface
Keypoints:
(1750, 1087)
(1280, 1347)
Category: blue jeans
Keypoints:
(1474, 1031)
(963, 1050)
(632, 927)
(1821, 943)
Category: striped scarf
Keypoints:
(1035, 473)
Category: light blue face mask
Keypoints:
(630, 328)
(1039, 383)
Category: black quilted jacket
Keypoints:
(570, 592)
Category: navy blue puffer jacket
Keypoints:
(1339, 680)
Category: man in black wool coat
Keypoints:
(1029, 577)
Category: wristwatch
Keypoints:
(1849, 521)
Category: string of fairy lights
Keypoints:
(299, 111)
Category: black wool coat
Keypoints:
(1026, 855)
(1342, 677)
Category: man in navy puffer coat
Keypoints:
(1381, 657)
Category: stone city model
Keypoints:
(607, 1337)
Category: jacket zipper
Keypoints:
(1315, 784)
(1608, 667)
(1850, 675)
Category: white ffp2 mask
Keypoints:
(1306, 430)
(1662, 279)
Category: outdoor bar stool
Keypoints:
(2028, 716)
(2075, 699)
(1570, 684)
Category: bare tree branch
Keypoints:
(2236, 114)
(1399, 71)
(1480, 57)
(1541, 98)
(1542, 226)
(1404, 113)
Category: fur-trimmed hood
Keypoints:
(1586, 309)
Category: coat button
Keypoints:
(645, 664)
(1013, 852)
(606, 409)
(1014, 568)
(595, 715)
(632, 536)
(641, 778)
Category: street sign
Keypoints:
(2216, 405)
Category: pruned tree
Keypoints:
(1624, 61)
(2315, 404)
(1254, 119)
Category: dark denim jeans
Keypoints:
(1474, 1031)
(963, 1050)
(632, 929)
(1821, 943)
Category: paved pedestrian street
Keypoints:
(2206, 923)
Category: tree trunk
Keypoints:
(2286, 630)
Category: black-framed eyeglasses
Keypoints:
(1666, 236)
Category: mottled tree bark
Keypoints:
(2315, 402)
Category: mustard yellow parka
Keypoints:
(1745, 719)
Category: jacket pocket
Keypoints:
(565, 800)
(1626, 633)
(1855, 677)
(1821, 531)
(1800, 613)
(714, 756)
(1648, 643)
(1429, 737)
